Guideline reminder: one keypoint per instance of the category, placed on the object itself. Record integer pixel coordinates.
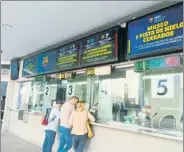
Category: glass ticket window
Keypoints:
(163, 92)
(61, 90)
(43, 95)
(72, 87)
(24, 95)
(116, 95)
(77, 87)
(149, 100)
(37, 99)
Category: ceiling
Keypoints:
(39, 24)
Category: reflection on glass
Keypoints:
(164, 94)
(23, 99)
(151, 99)
(77, 87)
(38, 96)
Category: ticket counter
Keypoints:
(134, 92)
(125, 101)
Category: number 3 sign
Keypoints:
(162, 87)
(70, 90)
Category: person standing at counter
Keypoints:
(52, 127)
(78, 121)
(65, 128)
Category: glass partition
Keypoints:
(43, 94)
(149, 100)
(163, 91)
(117, 95)
(77, 87)
(24, 95)
(36, 103)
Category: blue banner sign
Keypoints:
(158, 32)
(14, 70)
(46, 62)
(29, 66)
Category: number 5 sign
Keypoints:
(162, 87)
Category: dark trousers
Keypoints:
(79, 142)
(2, 115)
(48, 141)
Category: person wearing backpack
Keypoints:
(51, 123)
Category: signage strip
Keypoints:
(97, 49)
(158, 63)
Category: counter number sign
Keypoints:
(162, 87)
(47, 90)
(161, 84)
(70, 90)
(90, 71)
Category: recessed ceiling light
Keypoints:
(134, 18)
(7, 26)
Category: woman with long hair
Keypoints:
(78, 121)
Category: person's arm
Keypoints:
(44, 115)
(90, 117)
(71, 119)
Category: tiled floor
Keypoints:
(11, 143)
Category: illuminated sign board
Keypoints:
(159, 32)
(29, 66)
(100, 48)
(60, 76)
(104, 70)
(93, 50)
(40, 78)
(46, 62)
(67, 75)
(90, 71)
(68, 56)
(158, 63)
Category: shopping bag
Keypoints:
(90, 132)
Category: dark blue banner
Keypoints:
(46, 62)
(14, 70)
(29, 66)
(158, 32)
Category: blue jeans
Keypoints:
(65, 139)
(48, 141)
(79, 142)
